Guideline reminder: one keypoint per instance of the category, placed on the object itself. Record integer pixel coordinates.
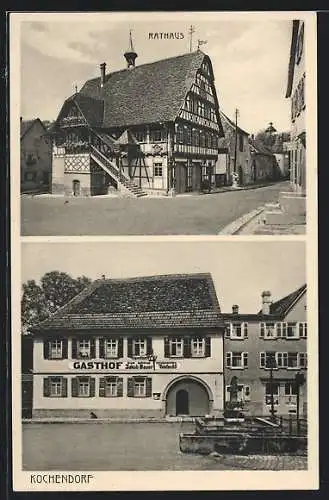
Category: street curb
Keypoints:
(242, 221)
(106, 421)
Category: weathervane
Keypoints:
(201, 42)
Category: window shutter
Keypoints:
(278, 328)
(166, 348)
(284, 329)
(149, 345)
(64, 348)
(228, 359)
(148, 387)
(46, 349)
(279, 359)
(46, 388)
(101, 343)
(245, 330)
(130, 348)
(302, 361)
(130, 387)
(92, 348)
(284, 359)
(262, 329)
(262, 361)
(74, 348)
(228, 330)
(119, 387)
(102, 387)
(120, 348)
(64, 387)
(187, 347)
(207, 347)
(245, 359)
(92, 387)
(74, 387)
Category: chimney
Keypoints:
(266, 302)
(103, 68)
(235, 309)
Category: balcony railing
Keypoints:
(73, 121)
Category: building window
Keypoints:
(195, 137)
(139, 347)
(83, 387)
(302, 328)
(290, 393)
(157, 169)
(139, 387)
(198, 347)
(189, 103)
(240, 142)
(292, 331)
(269, 389)
(189, 176)
(214, 142)
(242, 395)
(157, 135)
(290, 360)
(111, 348)
(188, 135)
(237, 330)
(55, 387)
(140, 135)
(267, 330)
(202, 139)
(110, 387)
(55, 349)
(237, 360)
(180, 134)
(84, 348)
(176, 347)
(30, 176)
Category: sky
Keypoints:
(240, 270)
(249, 56)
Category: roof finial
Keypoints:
(130, 54)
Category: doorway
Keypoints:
(76, 188)
(182, 402)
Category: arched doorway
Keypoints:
(76, 188)
(187, 396)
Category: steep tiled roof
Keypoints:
(232, 124)
(259, 148)
(149, 93)
(282, 306)
(25, 125)
(168, 301)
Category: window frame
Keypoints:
(106, 350)
(175, 341)
(243, 325)
(243, 355)
(202, 353)
(80, 380)
(51, 382)
(138, 381)
(158, 169)
(263, 328)
(268, 395)
(50, 351)
(137, 342)
(79, 355)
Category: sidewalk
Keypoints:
(255, 223)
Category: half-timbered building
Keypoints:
(149, 128)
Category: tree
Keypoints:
(266, 139)
(55, 290)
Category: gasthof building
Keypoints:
(136, 347)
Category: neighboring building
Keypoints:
(137, 347)
(230, 147)
(35, 156)
(279, 329)
(148, 128)
(27, 377)
(296, 92)
(281, 155)
(263, 162)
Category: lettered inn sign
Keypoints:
(123, 365)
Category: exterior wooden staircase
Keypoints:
(127, 186)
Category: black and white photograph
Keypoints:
(163, 127)
(164, 272)
(173, 366)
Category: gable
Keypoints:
(298, 312)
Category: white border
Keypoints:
(165, 480)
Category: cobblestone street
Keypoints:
(190, 214)
(129, 446)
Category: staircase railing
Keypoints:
(110, 166)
